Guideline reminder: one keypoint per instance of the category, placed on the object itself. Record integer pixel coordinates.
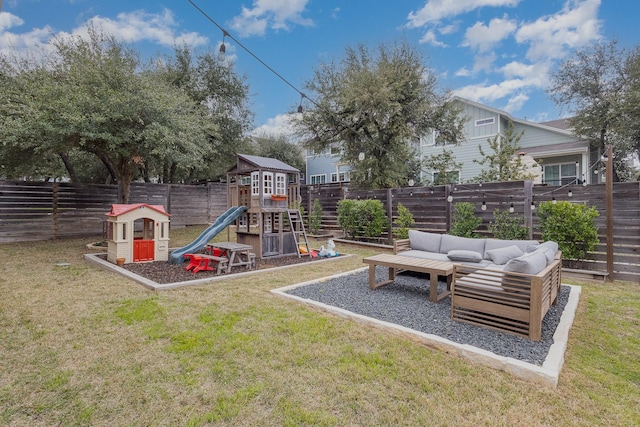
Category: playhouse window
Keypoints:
(124, 231)
(267, 183)
(281, 187)
(255, 183)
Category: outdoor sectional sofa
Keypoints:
(507, 285)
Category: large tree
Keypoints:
(376, 107)
(279, 146)
(598, 85)
(93, 95)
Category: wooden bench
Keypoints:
(202, 262)
(509, 302)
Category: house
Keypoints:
(552, 152)
(137, 232)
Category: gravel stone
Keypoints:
(406, 302)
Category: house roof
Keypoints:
(264, 163)
(553, 125)
(559, 123)
(118, 209)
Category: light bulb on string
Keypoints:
(533, 205)
(570, 193)
(484, 206)
(450, 198)
(511, 208)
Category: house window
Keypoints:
(255, 183)
(281, 186)
(560, 174)
(452, 177)
(342, 177)
(487, 121)
(318, 179)
(267, 183)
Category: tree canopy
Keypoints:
(92, 95)
(600, 85)
(376, 107)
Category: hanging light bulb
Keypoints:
(570, 193)
(511, 208)
(302, 96)
(450, 198)
(553, 200)
(533, 205)
(484, 206)
(223, 48)
(361, 156)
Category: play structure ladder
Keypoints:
(297, 228)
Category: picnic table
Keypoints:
(203, 262)
(238, 254)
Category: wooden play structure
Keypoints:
(136, 233)
(270, 189)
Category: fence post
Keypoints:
(54, 210)
(448, 189)
(390, 215)
(528, 213)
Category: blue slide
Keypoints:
(212, 231)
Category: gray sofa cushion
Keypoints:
(449, 243)
(531, 263)
(436, 256)
(501, 256)
(464, 255)
(501, 243)
(548, 244)
(424, 241)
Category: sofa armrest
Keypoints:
(401, 245)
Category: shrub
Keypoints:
(359, 218)
(315, 217)
(404, 222)
(571, 225)
(464, 221)
(508, 226)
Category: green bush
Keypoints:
(508, 226)
(361, 218)
(571, 225)
(315, 217)
(464, 222)
(404, 222)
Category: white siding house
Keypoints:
(561, 157)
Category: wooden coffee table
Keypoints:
(399, 262)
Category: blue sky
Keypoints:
(496, 52)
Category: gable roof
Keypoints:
(263, 163)
(553, 125)
(118, 209)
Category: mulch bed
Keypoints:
(163, 272)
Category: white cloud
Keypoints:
(139, 25)
(279, 125)
(492, 92)
(463, 72)
(274, 14)
(435, 10)
(483, 38)
(431, 38)
(483, 62)
(515, 103)
(574, 26)
(20, 43)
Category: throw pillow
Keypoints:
(464, 256)
(500, 256)
(532, 263)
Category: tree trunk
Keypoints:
(70, 169)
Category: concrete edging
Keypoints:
(547, 374)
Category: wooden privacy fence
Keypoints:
(41, 211)
(44, 210)
(432, 212)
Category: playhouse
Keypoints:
(136, 233)
(270, 189)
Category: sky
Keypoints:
(496, 52)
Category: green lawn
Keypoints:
(82, 346)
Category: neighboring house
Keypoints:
(561, 157)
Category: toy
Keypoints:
(330, 251)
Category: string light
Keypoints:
(484, 206)
(570, 193)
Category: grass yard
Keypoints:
(82, 346)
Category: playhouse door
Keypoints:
(143, 250)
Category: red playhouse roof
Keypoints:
(118, 209)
